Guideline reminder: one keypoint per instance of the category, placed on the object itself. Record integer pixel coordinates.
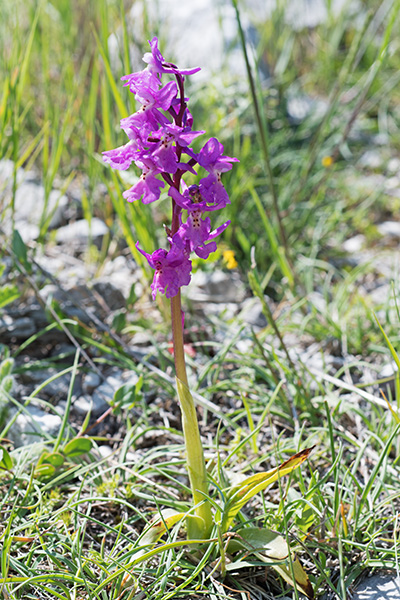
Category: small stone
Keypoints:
(58, 204)
(380, 586)
(96, 403)
(354, 244)
(390, 229)
(318, 300)
(389, 387)
(91, 381)
(122, 274)
(30, 204)
(252, 313)
(301, 14)
(57, 388)
(21, 329)
(371, 159)
(32, 426)
(5, 322)
(245, 346)
(393, 165)
(7, 173)
(101, 397)
(381, 139)
(381, 293)
(37, 314)
(111, 295)
(392, 183)
(216, 286)
(28, 231)
(105, 451)
(80, 232)
(71, 301)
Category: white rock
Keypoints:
(380, 586)
(392, 183)
(91, 381)
(30, 204)
(371, 159)
(199, 34)
(105, 451)
(81, 231)
(216, 286)
(393, 165)
(96, 403)
(101, 398)
(354, 244)
(390, 229)
(19, 328)
(32, 426)
(111, 295)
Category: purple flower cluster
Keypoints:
(160, 134)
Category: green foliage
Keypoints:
(8, 291)
(76, 525)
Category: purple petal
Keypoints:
(205, 251)
(219, 230)
(122, 157)
(148, 188)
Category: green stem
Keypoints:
(177, 336)
(199, 526)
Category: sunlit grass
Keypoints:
(73, 533)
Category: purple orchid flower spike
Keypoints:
(160, 136)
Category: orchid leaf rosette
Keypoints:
(160, 136)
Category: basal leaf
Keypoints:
(271, 548)
(5, 459)
(44, 470)
(78, 446)
(55, 458)
(241, 493)
(163, 521)
(301, 580)
(260, 541)
(160, 524)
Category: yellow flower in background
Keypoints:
(229, 259)
(327, 161)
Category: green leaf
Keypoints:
(125, 396)
(55, 458)
(260, 541)
(300, 580)
(5, 459)
(8, 293)
(238, 495)
(6, 367)
(44, 470)
(161, 523)
(20, 250)
(271, 548)
(78, 446)
(86, 420)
